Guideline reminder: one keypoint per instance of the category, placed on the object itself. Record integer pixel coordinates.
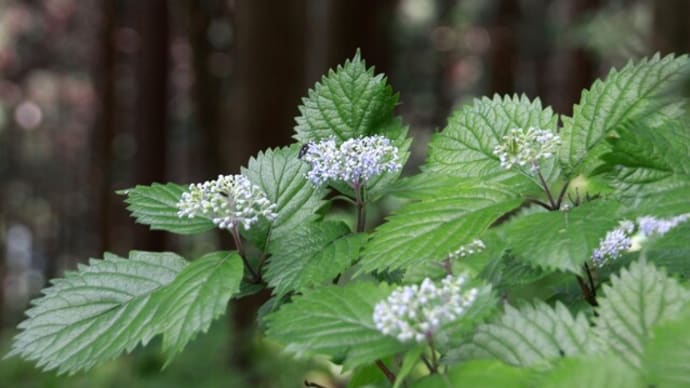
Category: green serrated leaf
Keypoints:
(334, 321)
(312, 254)
(465, 147)
(562, 240)
(198, 295)
(95, 314)
(432, 228)
(532, 335)
(592, 372)
(348, 102)
(622, 95)
(666, 355)
(672, 251)
(281, 175)
(156, 206)
(635, 301)
(480, 373)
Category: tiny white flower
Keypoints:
(418, 311)
(229, 201)
(355, 161)
(526, 147)
(659, 226)
(475, 246)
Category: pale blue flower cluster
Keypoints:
(228, 201)
(475, 246)
(619, 239)
(614, 243)
(651, 225)
(526, 147)
(416, 312)
(354, 161)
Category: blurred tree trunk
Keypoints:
(151, 110)
(103, 134)
(671, 27)
(503, 57)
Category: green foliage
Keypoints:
(636, 300)
(465, 147)
(532, 335)
(93, 315)
(312, 254)
(624, 94)
(434, 227)
(547, 317)
(198, 295)
(348, 102)
(335, 321)
(281, 175)
(561, 240)
(667, 353)
(156, 206)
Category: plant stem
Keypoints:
(240, 249)
(361, 210)
(387, 372)
(434, 359)
(546, 190)
(427, 363)
(561, 195)
(592, 288)
(586, 293)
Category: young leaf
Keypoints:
(436, 226)
(561, 240)
(198, 295)
(465, 147)
(532, 335)
(156, 206)
(281, 175)
(348, 102)
(312, 254)
(93, 315)
(666, 355)
(335, 321)
(623, 95)
(636, 300)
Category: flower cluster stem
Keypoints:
(434, 358)
(240, 249)
(390, 376)
(361, 207)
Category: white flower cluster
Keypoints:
(619, 239)
(414, 313)
(354, 161)
(475, 246)
(228, 201)
(526, 148)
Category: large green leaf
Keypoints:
(667, 354)
(281, 175)
(635, 301)
(156, 206)
(562, 240)
(348, 102)
(198, 295)
(622, 95)
(480, 373)
(532, 335)
(465, 147)
(434, 227)
(312, 254)
(671, 251)
(335, 321)
(95, 314)
(663, 148)
(601, 371)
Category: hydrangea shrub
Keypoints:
(524, 253)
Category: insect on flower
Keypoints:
(303, 151)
